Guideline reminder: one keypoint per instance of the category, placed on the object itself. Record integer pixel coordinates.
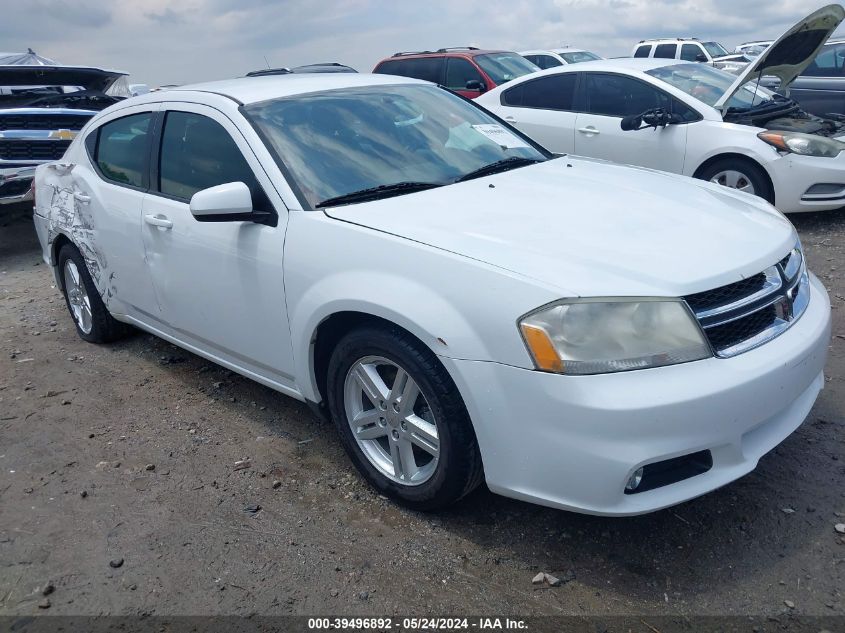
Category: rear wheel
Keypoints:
(90, 315)
(401, 419)
(743, 175)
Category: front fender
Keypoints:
(458, 307)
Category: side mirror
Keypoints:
(701, 57)
(476, 84)
(230, 202)
(631, 123)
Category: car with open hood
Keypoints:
(42, 108)
(692, 119)
(465, 305)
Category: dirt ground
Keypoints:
(119, 487)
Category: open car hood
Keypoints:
(95, 79)
(792, 52)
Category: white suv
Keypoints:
(692, 50)
(465, 305)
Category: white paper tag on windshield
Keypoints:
(500, 136)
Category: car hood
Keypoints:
(792, 52)
(587, 227)
(95, 79)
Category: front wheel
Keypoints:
(401, 419)
(743, 175)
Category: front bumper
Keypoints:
(15, 183)
(794, 178)
(572, 442)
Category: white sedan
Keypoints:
(464, 305)
(693, 119)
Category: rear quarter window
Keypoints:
(121, 149)
(425, 68)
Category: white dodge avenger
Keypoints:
(464, 305)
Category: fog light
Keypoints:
(635, 480)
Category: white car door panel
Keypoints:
(603, 137)
(220, 284)
(541, 108)
(607, 98)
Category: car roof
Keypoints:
(558, 51)
(673, 40)
(460, 51)
(247, 90)
(640, 64)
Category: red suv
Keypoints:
(467, 71)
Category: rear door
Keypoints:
(100, 206)
(821, 87)
(543, 109)
(220, 284)
(605, 99)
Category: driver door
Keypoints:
(607, 98)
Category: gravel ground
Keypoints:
(119, 487)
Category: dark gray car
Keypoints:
(820, 89)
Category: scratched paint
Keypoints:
(68, 216)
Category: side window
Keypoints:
(549, 93)
(689, 52)
(544, 61)
(198, 153)
(666, 51)
(828, 63)
(121, 151)
(643, 50)
(426, 68)
(458, 72)
(620, 96)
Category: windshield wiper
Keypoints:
(377, 193)
(500, 165)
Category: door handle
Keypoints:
(510, 119)
(158, 221)
(588, 130)
(84, 198)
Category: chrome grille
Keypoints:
(14, 149)
(743, 315)
(45, 121)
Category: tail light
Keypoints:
(32, 191)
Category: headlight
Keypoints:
(803, 144)
(597, 336)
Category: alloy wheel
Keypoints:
(77, 297)
(391, 420)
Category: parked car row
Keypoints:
(693, 119)
(31, 135)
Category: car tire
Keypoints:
(736, 173)
(90, 315)
(420, 481)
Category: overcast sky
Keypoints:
(180, 41)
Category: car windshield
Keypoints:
(392, 138)
(502, 67)
(579, 56)
(715, 49)
(708, 84)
